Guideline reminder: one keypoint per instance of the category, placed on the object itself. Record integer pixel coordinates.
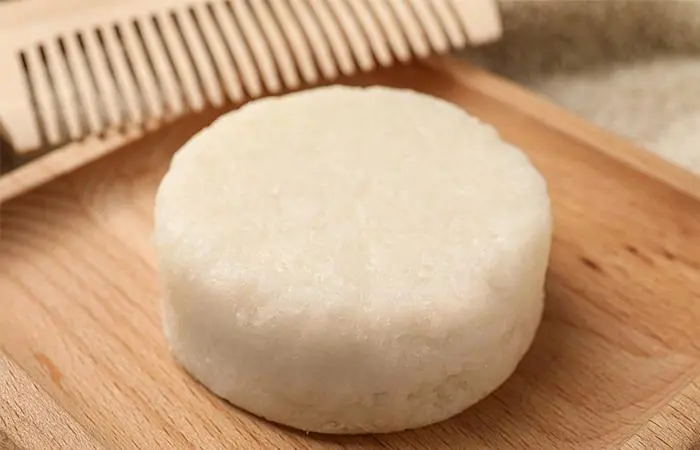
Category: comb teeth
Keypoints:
(139, 68)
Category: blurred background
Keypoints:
(630, 66)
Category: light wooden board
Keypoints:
(615, 363)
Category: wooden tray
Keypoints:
(616, 362)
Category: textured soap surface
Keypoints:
(351, 260)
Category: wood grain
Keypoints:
(616, 360)
(29, 418)
(677, 425)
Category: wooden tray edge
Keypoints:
(566, 122)
(676, 425)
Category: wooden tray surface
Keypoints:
(616, 362)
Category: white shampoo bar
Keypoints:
(351, 260)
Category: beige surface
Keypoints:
(610, 362)
(630, 66)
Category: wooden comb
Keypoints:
(78, 68)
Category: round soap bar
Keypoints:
(350, 260)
